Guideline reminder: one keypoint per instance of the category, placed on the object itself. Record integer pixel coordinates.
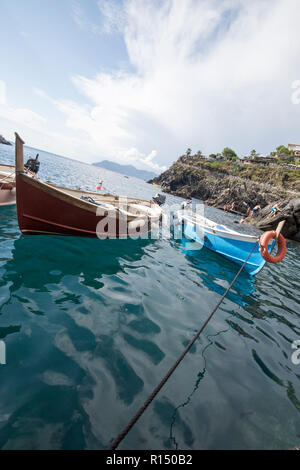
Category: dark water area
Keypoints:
(91, 327)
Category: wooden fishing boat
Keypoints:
(229, 243)
(44, 208)
(7, 185)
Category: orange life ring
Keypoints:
(263, 247)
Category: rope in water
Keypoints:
(131, 423)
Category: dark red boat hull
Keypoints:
(42, 211)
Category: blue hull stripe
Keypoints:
(234, 250)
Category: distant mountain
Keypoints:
(127, 170)
(4, 141)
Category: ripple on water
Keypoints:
(91, 327)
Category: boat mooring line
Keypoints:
(143, 408)
(5, 178)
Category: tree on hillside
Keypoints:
(188, 152)
(213, 155)
(199, 154)
(229, 154)
(252, 153)
(282, 150)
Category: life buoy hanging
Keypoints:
(263, 247)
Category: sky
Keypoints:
(140, 81)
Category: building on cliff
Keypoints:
(294, 148)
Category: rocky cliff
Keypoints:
(289, 211)
(222, 183)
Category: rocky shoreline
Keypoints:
(219, 187)
(4, 141)
(289, 211)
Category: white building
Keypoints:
(294, 148)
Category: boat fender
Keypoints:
(263, 247)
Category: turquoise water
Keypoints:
(91, 326)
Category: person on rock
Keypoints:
(255, 210)
(275, 209)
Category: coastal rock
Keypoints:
(222, 185)
(289, 211)
(4, 141)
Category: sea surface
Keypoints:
(91, 327)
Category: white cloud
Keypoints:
(209, 73)
(36, 131)
(204, 74)
(114, 16)
(81, 19)
(103, 123)
(16, 115)
(133, 155)
(78, 15)
(148, 160)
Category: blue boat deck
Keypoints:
(236, 250)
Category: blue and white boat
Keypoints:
(229, 243)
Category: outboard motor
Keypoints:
(159, 199)
(33, 164)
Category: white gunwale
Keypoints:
(209, 226)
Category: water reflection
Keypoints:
(177, 421)
(217, 272)
(38, 262)
(91, 327)
(60, 304)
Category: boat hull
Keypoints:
(7, 185)
(236, 250)
(44, 209)
(7, 196)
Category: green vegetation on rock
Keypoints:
(219, 181)
(229, 154)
